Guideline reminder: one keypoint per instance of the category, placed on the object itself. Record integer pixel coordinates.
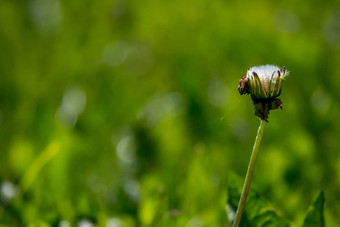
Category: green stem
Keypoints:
(249, 175)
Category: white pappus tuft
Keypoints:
(265, 72)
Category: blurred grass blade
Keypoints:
(315, 217)
(44, 157)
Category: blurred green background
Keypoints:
(126, 113)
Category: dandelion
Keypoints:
(264, 84)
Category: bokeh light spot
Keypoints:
(73, 103)
(320, 101)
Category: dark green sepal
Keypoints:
(263, 106)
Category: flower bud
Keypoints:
(265, 81)
(264, 84)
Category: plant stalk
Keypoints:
(249, 175)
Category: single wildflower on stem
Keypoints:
(264, 84)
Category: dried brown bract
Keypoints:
(243, 86)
